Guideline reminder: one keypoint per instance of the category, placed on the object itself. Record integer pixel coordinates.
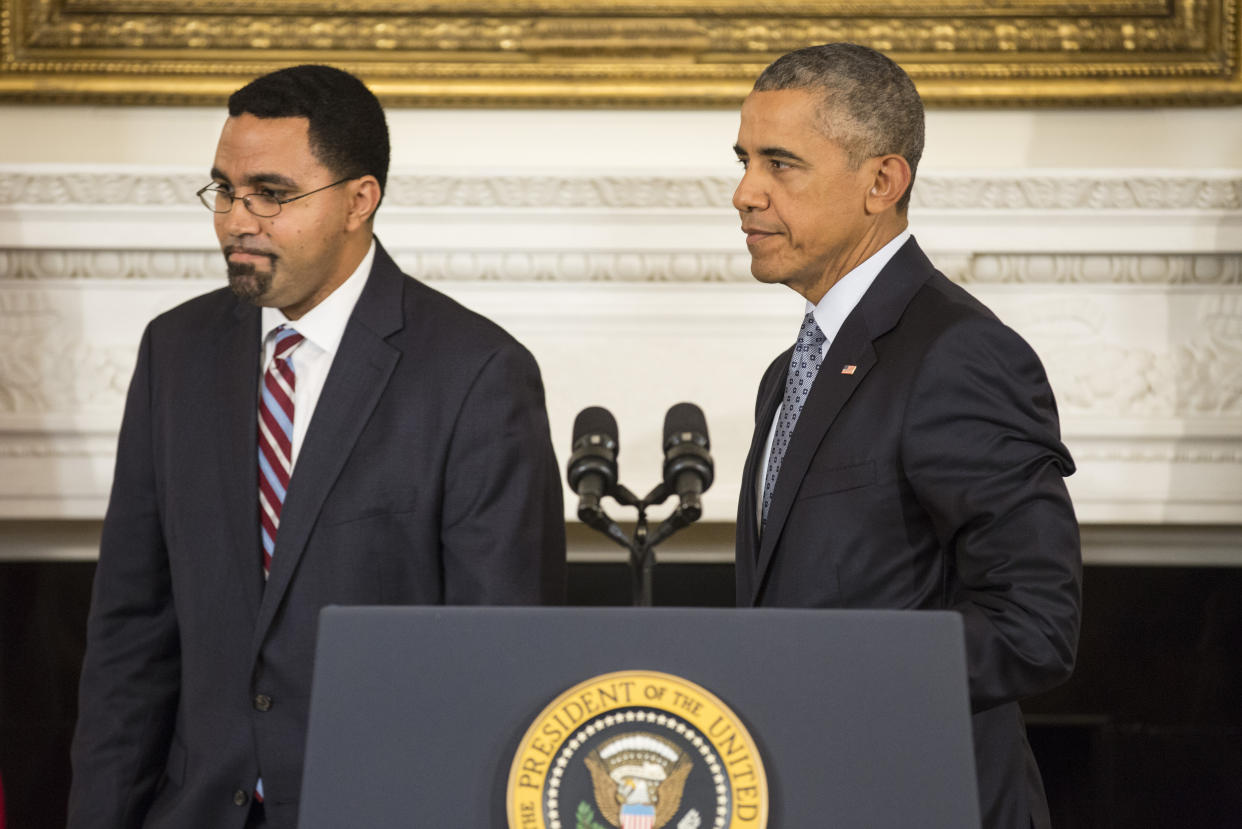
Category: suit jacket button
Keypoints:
(262, 702)
(240, 798)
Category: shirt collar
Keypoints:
(842, 297)
(324, 325)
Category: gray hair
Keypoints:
(869, 104)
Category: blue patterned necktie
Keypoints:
(807, 355)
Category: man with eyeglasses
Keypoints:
(327, 430)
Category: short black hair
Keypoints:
(348, 133)
(869, 104)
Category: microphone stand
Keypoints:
(642, 544)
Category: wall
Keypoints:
(1112, 239)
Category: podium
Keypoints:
(859, 718)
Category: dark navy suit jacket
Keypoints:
(426, 476)
(930, 477)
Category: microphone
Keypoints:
(688, 468)
(592, 471)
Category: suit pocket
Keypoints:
(837, 479)
(363, 505)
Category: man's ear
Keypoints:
(889, 181)
(364, 195)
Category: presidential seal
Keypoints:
(637, 750)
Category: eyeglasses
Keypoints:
(219, 200)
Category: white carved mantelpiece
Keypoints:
(634, 293)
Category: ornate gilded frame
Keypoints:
(619, 52)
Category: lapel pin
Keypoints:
(849, 369)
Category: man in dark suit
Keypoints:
(906, 451)
(328, 431)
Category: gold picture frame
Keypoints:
(623, 53)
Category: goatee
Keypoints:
(246, 283)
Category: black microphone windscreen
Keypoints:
(595, 420)
(685, 417)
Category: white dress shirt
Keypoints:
(322, 326)
(830, 315)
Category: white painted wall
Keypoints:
(641, 140)
(1112, 239)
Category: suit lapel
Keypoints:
(360, 371)
(876, 314)
(237, 391)
(829, 394)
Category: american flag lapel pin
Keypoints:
(849, 369)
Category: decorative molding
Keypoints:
(44, 369)
(57, 264)
(1000, 191)
(574, 266)
(57, 447)
(567, 265)
(431, 265)
(55, 361)
(1118, 191)
(1216, 453)
(1098, 269)
(613, 192)
(98, 189)
(638, 52)
(1195, 370)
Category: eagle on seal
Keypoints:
(638, 780)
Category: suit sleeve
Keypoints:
(982, 450)
(503, 526)
(130, 675)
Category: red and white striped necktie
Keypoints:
(276, 438)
